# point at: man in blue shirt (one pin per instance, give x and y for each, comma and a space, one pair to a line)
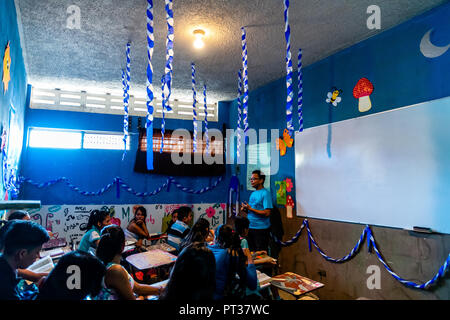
258, 211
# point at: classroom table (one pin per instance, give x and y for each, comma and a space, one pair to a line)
158, 260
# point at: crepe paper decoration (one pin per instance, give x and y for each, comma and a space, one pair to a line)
333, 96
289, 70
239, 103
4, 136
163, 120
362, 91
245, 83
126, 98
206, 120
289, 184
285, 142
6, 68
149, 122
300, 92
169, 54
194, 108
289, 206
281, 192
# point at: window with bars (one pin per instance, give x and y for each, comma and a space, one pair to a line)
163, 163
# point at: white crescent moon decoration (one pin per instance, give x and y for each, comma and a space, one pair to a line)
428, 49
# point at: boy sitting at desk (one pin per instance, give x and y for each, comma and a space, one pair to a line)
22, 243
178, 231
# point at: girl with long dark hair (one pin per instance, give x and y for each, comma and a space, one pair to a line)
193, 275
118, 283
235, 271
97, 220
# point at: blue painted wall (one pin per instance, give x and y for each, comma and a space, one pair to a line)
93, 169
12, 102
391, 60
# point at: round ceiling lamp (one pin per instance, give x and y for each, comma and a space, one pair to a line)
198, 42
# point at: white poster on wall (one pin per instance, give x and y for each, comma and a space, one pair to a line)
65, 221
258, 158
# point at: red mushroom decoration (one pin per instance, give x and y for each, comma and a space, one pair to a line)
289, 206
362, 91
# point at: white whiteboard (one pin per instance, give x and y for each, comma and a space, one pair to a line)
388, 169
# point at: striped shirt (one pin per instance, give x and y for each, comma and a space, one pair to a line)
176, 233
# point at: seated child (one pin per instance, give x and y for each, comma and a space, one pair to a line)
117, 283
180, 228
199, 233
22, 242
91, 271
137, 228
232, 273
22, 273
193, 276
97, 220
241, 224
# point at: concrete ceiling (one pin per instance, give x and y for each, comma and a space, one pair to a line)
91, 58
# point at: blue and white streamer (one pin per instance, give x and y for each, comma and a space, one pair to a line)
169, 54
289, 70
123, 185
245, 82
300, 91
367, 232
126, 98
163, 121
206, 120
239, 107
194, 108
149, 122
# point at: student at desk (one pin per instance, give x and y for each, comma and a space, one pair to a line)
233, 276
137, 228
97, 220
23, 273
199, 232
178, 231
22, 242
118, 283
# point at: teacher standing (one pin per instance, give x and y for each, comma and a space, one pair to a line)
258, 211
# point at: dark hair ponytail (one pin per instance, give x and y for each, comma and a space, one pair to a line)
111, 243
235, 285
96, 217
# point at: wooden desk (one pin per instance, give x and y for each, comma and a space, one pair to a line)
151, 259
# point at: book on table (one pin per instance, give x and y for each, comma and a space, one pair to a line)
294, 283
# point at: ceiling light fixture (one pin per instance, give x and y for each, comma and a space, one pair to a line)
199, 34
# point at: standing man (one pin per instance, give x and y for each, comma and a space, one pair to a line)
258, 211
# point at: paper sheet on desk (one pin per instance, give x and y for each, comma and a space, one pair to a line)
151, 259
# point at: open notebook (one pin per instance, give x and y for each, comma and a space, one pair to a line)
42, 265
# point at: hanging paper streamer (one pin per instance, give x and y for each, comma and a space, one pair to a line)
289, 70
206, 120
149, 123
300, 91
163, 122
245, 83
239, 102
169, 54
126, 98
194, 110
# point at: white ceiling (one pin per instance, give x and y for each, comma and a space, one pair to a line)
91, 58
